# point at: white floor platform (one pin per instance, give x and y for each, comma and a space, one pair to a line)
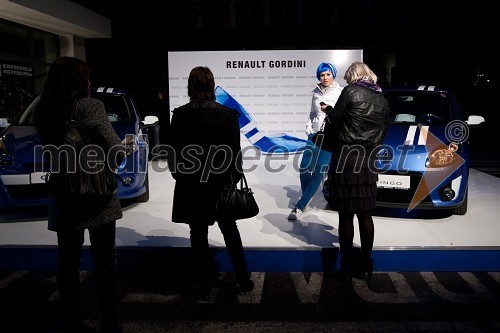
148, 225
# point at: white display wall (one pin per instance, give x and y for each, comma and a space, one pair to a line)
273, 86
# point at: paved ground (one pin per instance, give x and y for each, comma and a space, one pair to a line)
281, 302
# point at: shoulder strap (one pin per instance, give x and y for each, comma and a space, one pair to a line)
71, 133
72, 115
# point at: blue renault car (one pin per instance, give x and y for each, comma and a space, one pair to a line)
21, 182
424, 160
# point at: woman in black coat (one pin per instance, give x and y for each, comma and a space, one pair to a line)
66, 92
353, 130
205, 137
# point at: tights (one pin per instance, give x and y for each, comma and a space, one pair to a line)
203, 263
346, 236
102, 249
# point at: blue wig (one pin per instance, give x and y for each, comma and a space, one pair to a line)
326, 67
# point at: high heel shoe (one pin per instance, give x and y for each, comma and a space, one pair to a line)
343, 276
245, 286
368, 270
364, 270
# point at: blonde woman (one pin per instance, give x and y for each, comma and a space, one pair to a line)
354, 128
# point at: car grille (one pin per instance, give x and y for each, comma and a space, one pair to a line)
400, 196
33, 191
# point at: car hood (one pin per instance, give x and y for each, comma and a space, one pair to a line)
19, 142
408, 144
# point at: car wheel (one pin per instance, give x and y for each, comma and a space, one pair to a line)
145, 196
462, 209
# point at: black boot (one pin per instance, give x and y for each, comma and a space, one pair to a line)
343, 276
364, 269
368, 269
345, 272
110, 326
244, 285
109, 316
73, 322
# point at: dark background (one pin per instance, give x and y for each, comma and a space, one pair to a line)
432, 42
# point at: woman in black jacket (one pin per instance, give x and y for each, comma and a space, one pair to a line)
205, 137
354, 128
66, 91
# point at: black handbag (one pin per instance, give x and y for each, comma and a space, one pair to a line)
236, 203
75, 174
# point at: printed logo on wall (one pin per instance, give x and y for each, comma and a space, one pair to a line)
269, 144
272, 89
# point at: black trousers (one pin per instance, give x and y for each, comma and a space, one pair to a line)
202, 260
103, 252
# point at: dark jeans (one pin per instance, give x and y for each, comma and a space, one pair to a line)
103, 251
202, 260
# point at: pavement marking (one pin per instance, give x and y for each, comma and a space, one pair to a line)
345, 326
481, 295
11, 277
150, 298
495, 276
404, 293
308, 292
255, 296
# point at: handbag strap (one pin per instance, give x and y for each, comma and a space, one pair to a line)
72, 114
243, 180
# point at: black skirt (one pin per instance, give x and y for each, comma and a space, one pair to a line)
353, 183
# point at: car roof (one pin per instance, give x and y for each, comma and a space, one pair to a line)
109, 90
415, 88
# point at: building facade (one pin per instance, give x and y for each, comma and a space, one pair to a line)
32, 35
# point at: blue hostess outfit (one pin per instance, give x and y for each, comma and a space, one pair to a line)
313, 167
315, 160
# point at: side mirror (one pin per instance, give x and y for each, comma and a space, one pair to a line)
475, 120
149, 121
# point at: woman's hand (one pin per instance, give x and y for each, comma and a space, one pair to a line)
309, 129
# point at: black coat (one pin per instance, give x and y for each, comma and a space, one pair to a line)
360, 117
205, 138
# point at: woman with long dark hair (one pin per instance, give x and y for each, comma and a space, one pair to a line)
205, 136
66, 94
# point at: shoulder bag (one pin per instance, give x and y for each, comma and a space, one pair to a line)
236, 203
71, 178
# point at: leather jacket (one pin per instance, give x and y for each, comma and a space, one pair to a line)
360, 117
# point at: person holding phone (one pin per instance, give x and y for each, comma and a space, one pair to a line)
315, 160
354, 128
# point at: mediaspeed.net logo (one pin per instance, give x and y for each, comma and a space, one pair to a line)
443, 159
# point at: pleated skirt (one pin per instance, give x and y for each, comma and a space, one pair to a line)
353, 184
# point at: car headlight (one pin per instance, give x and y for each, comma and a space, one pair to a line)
442, 157
131, 143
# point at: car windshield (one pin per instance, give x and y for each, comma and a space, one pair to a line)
418, 107
116, 107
